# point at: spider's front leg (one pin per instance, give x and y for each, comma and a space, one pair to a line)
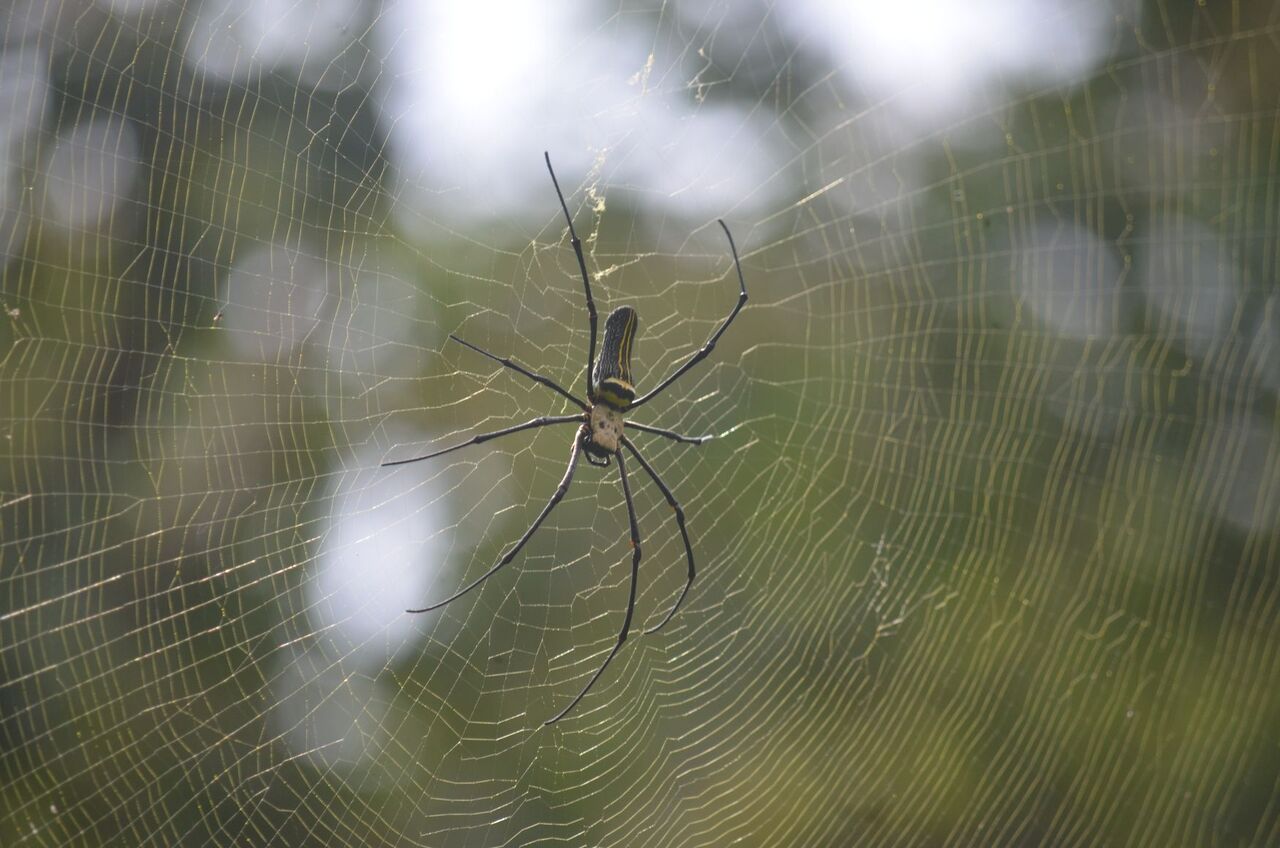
684, 531
631, 600
537, 522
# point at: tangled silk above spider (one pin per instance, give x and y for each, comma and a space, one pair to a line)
611, 397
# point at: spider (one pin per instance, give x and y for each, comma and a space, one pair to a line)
611, 395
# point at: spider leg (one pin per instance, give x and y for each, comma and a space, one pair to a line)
684, 533
519, 369
670, 434
484, 437
511, 554
586, 279
715, 337
631, 602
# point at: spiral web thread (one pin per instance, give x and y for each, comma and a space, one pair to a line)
987, 536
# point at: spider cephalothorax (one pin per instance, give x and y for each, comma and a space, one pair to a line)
611, 395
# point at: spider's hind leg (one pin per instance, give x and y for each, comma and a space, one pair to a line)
586, 278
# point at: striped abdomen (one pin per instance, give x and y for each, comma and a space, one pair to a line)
613, 367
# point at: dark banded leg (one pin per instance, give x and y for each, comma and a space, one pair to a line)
586, 279
670, 434
684, 533
511, 554
519, 369
631, 601
484, 437
706, 349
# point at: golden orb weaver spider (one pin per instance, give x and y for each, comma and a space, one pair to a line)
611, 395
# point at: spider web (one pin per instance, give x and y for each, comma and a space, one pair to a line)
987, 537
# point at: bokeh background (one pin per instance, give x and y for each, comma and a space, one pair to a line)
988, 537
